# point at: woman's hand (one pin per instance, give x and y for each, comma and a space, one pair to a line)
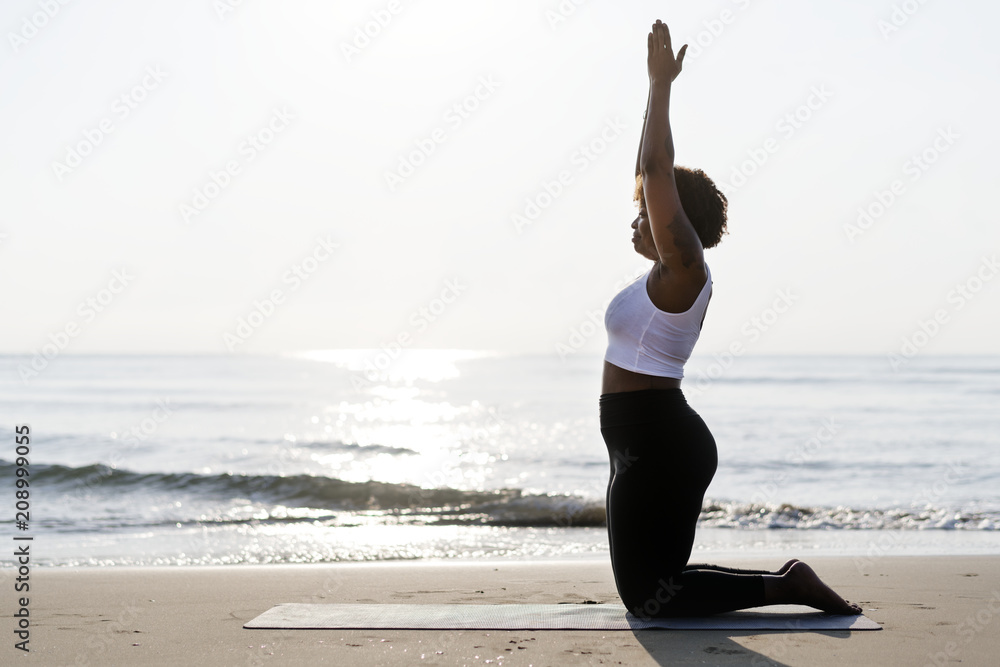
660, 60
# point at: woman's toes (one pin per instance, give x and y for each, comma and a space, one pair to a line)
810, 590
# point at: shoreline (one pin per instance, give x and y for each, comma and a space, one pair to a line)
7, 568
334, 546
930, 607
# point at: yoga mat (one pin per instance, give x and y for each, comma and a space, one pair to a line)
539, 617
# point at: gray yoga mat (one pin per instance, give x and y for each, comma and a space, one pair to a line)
539, 617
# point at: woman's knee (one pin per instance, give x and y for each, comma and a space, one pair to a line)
655, 598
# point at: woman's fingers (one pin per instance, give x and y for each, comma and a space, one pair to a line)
661, 35
658, 41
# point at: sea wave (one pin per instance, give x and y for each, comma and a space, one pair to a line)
278, 499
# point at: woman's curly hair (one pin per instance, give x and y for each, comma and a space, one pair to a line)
703, 202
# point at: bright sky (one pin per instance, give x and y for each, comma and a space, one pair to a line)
171, 169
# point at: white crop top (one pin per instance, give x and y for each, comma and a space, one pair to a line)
644, 339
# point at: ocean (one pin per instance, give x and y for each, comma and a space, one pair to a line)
362, 455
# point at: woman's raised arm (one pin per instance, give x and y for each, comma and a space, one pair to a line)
638, 155
677, 244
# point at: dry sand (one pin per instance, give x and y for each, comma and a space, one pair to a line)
934, 610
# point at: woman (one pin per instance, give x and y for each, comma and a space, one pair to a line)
662, 454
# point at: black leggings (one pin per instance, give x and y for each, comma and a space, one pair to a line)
662, 459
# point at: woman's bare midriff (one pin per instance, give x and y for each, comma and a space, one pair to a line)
616, 379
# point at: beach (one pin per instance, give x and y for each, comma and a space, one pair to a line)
174, 499
933, 610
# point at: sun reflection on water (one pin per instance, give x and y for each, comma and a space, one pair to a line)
396, 429
398, 365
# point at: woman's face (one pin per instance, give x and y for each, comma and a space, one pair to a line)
642, 239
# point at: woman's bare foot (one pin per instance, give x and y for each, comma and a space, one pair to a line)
801, 585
